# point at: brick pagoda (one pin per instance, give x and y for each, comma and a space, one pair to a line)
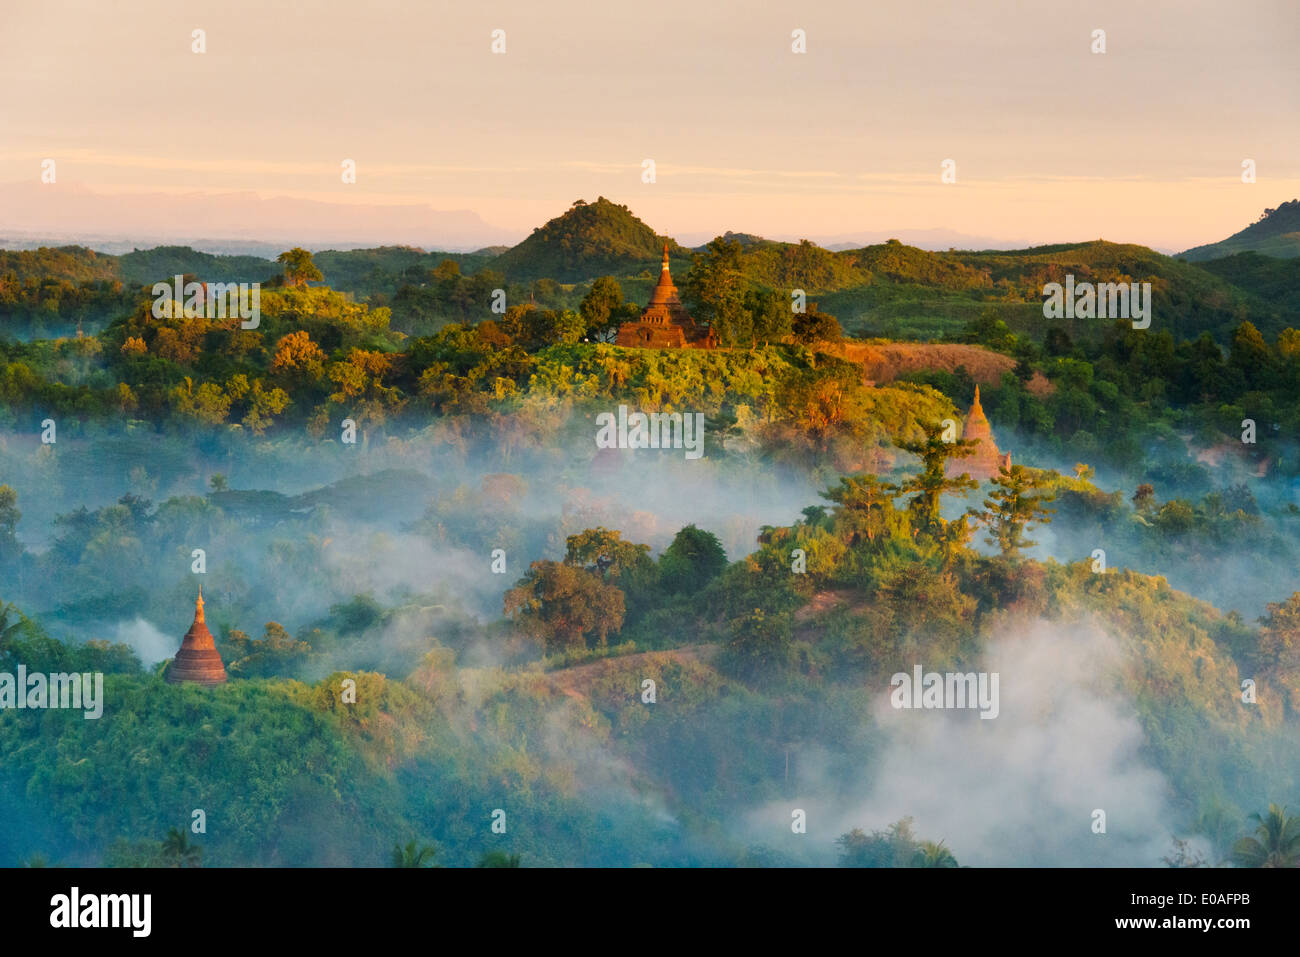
198, 661
665, 323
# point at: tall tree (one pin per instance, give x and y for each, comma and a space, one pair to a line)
602, 309
864, 502
770, 318
299, 267
1276, 842
694, 558
561, 606
929, 485
1012, 506
715, 290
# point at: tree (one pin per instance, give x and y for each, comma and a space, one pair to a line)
546, 327
296, 355
604, 552
12, 623
10, 547
896, 846
299, 267
1012, 507
1144, 499
276, 653
694, 559
715, 288
1251, 355
218, 482
414, 856
602, 309
932, 481
498, 859
864, 502
562, 606
770, 317
759, 644
930, 854
1276, 842
178, 851
813, 326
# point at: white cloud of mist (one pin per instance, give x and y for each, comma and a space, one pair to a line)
1018, 790
150, 644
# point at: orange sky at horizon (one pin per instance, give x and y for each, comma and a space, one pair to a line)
1052, 143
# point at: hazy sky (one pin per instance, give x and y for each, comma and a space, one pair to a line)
1051, 142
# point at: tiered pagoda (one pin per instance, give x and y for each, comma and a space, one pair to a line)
665, 323
198, 660
985, 461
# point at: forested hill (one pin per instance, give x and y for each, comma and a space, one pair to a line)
1275, 233
588, 240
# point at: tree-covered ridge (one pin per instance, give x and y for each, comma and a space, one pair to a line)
589, 240
887, 289
1276, 233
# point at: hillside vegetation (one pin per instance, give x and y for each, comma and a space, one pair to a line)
1276, 233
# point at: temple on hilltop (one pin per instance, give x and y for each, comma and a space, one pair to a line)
985, 461
665, 323
198, 660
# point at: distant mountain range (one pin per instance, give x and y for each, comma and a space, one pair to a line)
1275, 233
33, 211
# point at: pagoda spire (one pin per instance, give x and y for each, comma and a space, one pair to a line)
198, 660
975, 406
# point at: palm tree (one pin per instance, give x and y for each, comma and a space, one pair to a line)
930, 854
11, 620
177, 851
412, 856
1277, 843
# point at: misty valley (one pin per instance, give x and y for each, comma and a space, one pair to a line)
645, 568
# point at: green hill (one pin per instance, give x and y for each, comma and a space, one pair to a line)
62, 263
147, 266
385, 269
914, 293
1274, 281
589, 240
1275, 233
